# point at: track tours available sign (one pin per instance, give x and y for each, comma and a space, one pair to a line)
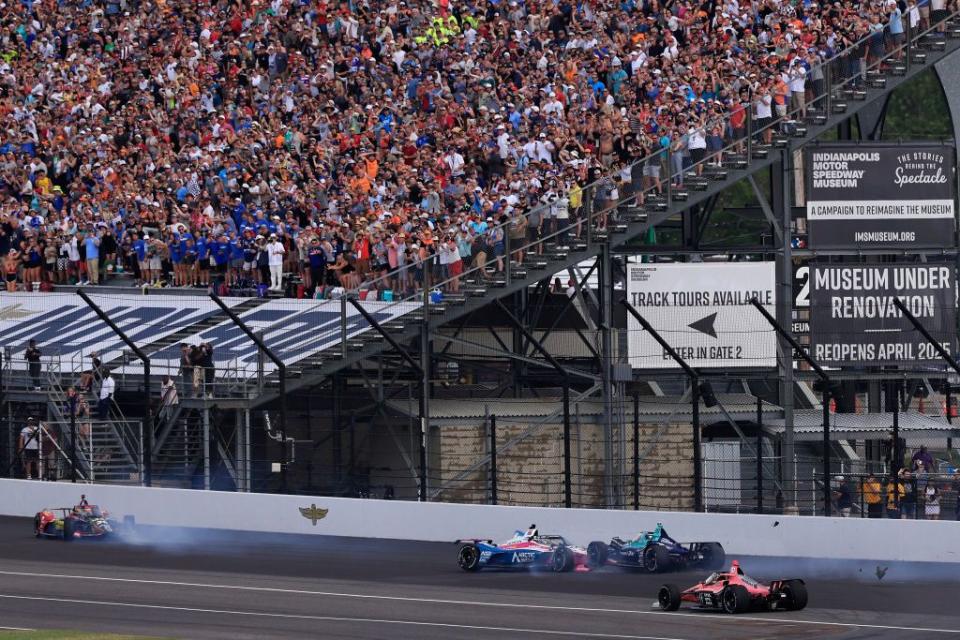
854, 321
880, 196
703, 311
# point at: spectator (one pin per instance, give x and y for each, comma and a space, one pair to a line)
32, 354
922, 461
895, 495
932, 503
842, 497
209, 368
872, 492
207, 128
186, 366
11, 269
169, 399
956, 495
908, 505
29, 447
93, 374
107, 388
275, 252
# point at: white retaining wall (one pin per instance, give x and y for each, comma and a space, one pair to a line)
777, 536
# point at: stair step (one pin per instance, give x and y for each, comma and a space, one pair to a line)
557, 256
497, 281
536, 264
679, 195
918, 57
519, 274
761, 151
838, 106
736, 161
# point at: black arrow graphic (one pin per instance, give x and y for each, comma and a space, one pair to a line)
705, 325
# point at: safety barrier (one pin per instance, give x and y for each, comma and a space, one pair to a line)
757, 535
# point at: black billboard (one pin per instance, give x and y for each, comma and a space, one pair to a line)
880, 196
854, 321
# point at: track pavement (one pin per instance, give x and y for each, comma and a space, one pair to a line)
208, 584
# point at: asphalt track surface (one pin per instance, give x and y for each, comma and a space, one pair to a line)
210, 584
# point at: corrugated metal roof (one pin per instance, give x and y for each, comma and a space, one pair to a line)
808, 425
737, 405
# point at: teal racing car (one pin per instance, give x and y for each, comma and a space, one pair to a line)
655, 551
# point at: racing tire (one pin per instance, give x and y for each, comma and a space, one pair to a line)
795, 595
656, 559
735, 599
69, 528
669, 597
714, 557
562, 560
36, 527
468, 558
597, 554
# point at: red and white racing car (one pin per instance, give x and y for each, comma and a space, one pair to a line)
734, 591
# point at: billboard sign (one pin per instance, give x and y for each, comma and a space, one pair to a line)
854, 321
703, 311
880, 196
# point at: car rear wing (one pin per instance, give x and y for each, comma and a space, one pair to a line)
473, 540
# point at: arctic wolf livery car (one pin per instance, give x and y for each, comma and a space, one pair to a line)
83, 520
734, 592
656, 551
525, 550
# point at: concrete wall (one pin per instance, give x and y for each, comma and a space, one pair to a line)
776, 536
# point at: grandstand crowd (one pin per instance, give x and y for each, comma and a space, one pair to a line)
190, 143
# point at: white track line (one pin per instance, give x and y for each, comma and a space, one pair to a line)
294, 616
15, 629
504, 605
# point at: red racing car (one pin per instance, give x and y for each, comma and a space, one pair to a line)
734, 591
83, 520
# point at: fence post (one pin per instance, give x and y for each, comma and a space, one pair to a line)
826, 451
73, 439
860, 480
636, 450
493, 459
759, 455
567, 480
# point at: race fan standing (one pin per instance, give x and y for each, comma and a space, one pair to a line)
151, 137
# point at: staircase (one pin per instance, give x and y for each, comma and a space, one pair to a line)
108, 451
628, 220
178, 450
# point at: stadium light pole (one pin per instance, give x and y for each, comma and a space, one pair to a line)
825, 399
695, 402
148, 415
281, 371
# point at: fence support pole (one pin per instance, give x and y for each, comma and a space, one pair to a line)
147, 438
73, 439
424, 400
827, 495
759, 455
567, 475
636, 450
493, 459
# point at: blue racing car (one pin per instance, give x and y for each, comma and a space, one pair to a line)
525, 550
656, 551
